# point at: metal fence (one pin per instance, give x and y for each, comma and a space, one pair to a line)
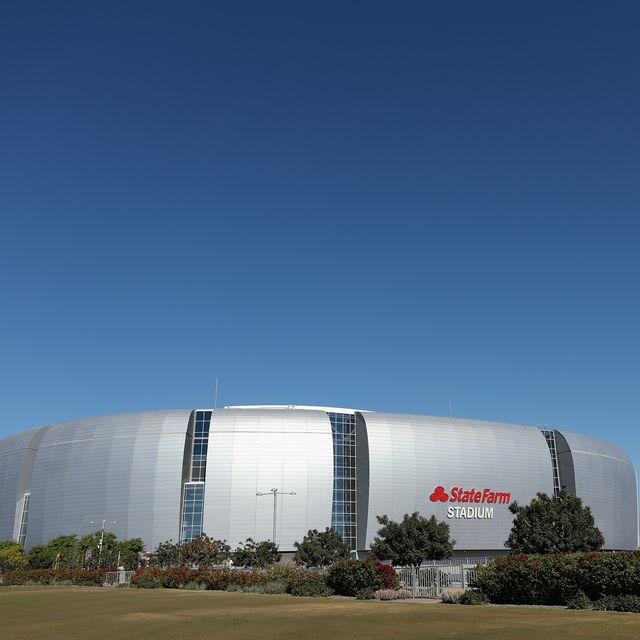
116, 578
429, 580
466, 560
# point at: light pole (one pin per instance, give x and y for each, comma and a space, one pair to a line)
275, 493
102, 537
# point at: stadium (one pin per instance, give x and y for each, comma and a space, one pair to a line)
274, 472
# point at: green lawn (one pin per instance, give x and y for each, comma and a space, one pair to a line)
86, 613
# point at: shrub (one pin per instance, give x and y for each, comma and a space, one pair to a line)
451, 595
364, 594
389, 575
281, 572
555, 579
215, 580
272, 580
392, 594
146, 579
348, 577
274, 587
310, 588
628, 603
79, 577
194, 585
275, 579
580, 601
472, 597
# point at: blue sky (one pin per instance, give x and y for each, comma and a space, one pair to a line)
380, 205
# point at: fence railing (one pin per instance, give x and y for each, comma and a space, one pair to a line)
115, 578
429, 580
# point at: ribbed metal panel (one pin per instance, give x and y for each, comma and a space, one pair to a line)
129, 467
410, 455
125, 467
254, 451
605, 479
13, 452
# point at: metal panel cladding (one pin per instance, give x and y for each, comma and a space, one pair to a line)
253, 451
124, 467
605, 479
14, 450
409, 456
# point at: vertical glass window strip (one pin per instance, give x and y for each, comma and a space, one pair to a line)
192, 511
24, 519
343, 512
193, 496
550, 437
200, 446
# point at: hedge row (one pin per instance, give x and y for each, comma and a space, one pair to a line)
345, 577
79, 577
221, 579
557, 579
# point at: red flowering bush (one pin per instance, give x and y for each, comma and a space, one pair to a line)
350, 577
80, 577
389, 575
221, 579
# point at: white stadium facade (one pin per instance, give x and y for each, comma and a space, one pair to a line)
162, 475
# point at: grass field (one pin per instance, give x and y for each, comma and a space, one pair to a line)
53, 613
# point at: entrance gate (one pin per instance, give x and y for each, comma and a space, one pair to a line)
429, 581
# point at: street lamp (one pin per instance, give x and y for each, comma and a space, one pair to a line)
275, 493
102, 537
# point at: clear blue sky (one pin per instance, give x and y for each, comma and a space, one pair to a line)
380, 205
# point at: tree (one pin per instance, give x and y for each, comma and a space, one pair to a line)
94, 556
320, 548
412, 540
558, 524
11, 556
256, 554
129, 551
65, 551
167, 554
205, 551
39, 557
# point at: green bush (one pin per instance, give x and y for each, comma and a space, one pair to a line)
274, 587
364, 594
463, 596
194, 585
580, 601
556, 579
310, 587
472, 597
281, 572
348, 577
628, 603
146, 579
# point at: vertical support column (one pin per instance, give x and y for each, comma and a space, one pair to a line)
362, 481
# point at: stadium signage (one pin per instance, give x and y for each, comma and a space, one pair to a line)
462, 495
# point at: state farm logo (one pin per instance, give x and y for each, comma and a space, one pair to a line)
439, 495
460, 494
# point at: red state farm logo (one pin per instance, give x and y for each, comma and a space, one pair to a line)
439, 495
460, 494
